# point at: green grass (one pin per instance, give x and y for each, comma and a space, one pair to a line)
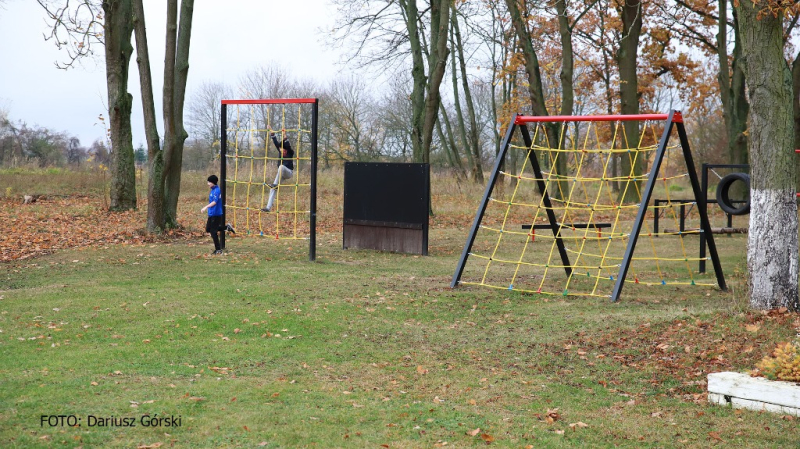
360, 349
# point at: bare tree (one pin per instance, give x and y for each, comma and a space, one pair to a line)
379, 28
354, 121
203, 110
470, 143
76, 28
165, 165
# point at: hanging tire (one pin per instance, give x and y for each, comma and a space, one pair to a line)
723, 194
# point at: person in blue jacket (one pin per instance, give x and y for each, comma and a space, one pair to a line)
215, 216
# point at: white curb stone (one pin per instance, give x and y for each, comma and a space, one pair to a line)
754, 393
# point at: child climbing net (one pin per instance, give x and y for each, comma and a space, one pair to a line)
584, 184
269, 165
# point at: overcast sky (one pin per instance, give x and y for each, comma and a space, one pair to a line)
228, 38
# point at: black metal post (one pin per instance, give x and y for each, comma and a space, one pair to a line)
312, 216
656, 213
551, 216
426, 224
704, 193
646, 195
705, 225
223, 167
682, 226
484, 202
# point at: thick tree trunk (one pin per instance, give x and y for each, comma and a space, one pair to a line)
772, 240
174, 152
118, 28
155, 157
627, 56
796, 112
567, 59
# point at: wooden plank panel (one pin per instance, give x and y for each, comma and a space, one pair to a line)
400, 240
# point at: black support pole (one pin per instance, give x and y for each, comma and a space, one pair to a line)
646, 195
484, 202
700, 197
551, 216
312, 243
223, 166
704, 193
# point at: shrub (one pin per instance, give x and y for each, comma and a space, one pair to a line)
784, 364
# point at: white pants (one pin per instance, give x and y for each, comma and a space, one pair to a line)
284, 174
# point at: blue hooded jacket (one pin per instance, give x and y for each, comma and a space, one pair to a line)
214, 195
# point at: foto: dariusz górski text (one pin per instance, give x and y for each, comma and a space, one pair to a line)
154, 420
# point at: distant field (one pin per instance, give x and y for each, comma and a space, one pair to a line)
261, 348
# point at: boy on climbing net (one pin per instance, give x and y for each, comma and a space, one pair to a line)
285, 168
214, 208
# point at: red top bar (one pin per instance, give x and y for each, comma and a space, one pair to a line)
272, 101
677, 118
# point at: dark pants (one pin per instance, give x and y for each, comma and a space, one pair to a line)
213, 226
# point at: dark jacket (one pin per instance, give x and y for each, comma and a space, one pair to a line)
287, 154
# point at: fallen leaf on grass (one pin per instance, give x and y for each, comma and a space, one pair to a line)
150, 446
475, 432
552, 416
197, 398
715, 435
487, 438
578, 424
422, 370
752, 327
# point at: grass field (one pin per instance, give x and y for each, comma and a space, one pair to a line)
261, 348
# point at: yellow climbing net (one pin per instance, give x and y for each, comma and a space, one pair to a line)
252, 165
594, 177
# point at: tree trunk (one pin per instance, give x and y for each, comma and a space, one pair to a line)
772, 240
567, 59
155, 157
536, 92
462, 129
735, 107
449, 144
418, 75
473, 145
118, 28
796, 112
437, 62
627, 55
177, 133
